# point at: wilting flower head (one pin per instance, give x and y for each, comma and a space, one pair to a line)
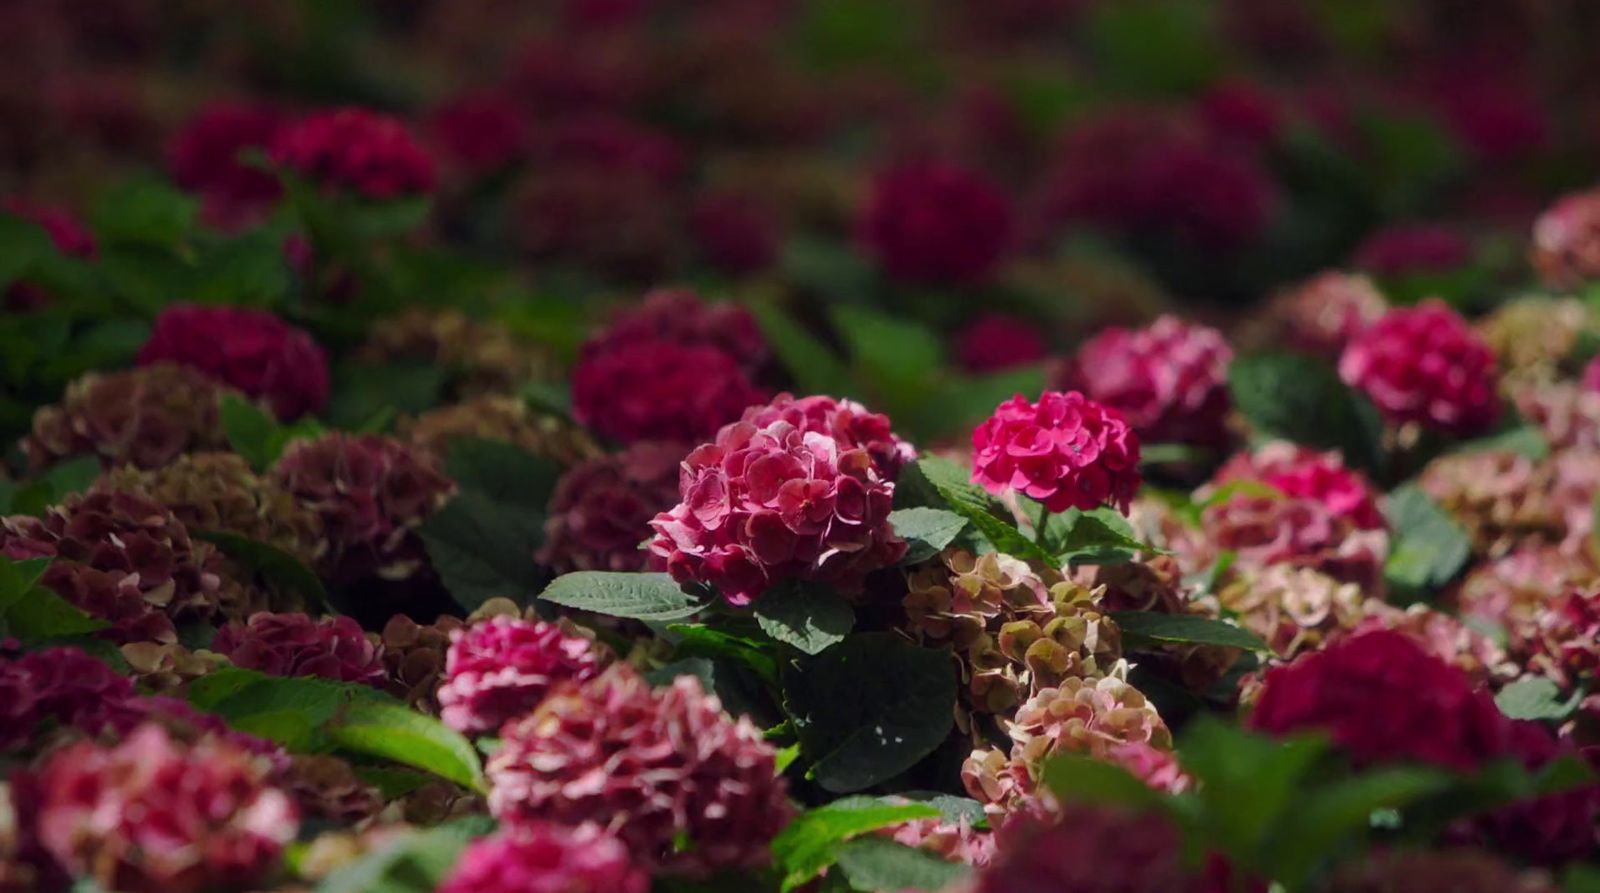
504, 419
1458, 870
775, 501
327, 787
735, 234
660, 390
936, 223
503, 667
204, 157
415, 656
1091, 850
689, 790
123, 559
850, 424
151, 815
681, 317
1384, 699
1317, 316
601, 509
357, 149
1500, 497
1410, 249
1065, 451
1169, 380
251, 350
371, 493
1566, 241
478, 358
1424, 364
547, 858
144, 417
1302, 473
1292, 608
996, 341
297, 645
480, 133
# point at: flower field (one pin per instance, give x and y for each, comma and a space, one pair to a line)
754, 446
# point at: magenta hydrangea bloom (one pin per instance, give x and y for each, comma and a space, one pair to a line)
298, 645
357, 149
1303, 473
680, 316
995, 342
935, 222
205, 158
151, 815
1424, 364
251, 350
601, 508
849, 423
501, 668
769, 502
1410, 249
687, 789
545, 858
661, 390
1091, 850
1066, 451
480, 133
1169, 380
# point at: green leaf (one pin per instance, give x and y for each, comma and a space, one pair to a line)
143, 212
1300, 398
809, 616
701, 668
1246, 781
1101, 536
415, 863
1074, 778
502, 472
638, 596
249, 269
926, 531
405, 736
362, 389
23, 243
952, 483
483, 549
55, 485
814, 367
281, 571
877, 863
293, 711
953, 810
809, 844
870, 708
1524, 440
694, 640
18, 577
1581, 879
250, 431
41, 615
895, 353
1150, 626
1325, 816
1536, 698
1428, 548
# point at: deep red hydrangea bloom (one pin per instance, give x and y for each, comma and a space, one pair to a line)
151, 815
689, 790
849, 423
1549, 830
502, 668
371, 492
601, 508
1304, 473
356, 149
660, 390
545, 858
63, 684
1169, 380
769, 502
680, 316
1408, 249
204, 157
937, 223
1566, 241
1384, 699
19, 710
1242, 113
480, 133
251, 350
1092, 850
995, 342
297, 645
1065, 451
734, 233
1424, 364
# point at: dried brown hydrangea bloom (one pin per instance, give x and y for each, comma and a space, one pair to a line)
219, 491
479, 357
1499, 497
1157, 585
1292, 609
145, 417
500, 418
414, 655
1014, 628
1566, 412
1317, 316
1534, 338
327, 787
167, 668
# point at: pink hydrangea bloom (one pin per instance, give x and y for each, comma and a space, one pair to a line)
769, 502
1566, 241
1322, 314
660, 390
1264, 530
687, 789
1169, 380
1066, 451
503, 667
544, 858
297, 645
204, 157
995, 342
936, 222
1304, 473
849, 423
680, 316
356, 149
151, 815
1424, 364
251, 350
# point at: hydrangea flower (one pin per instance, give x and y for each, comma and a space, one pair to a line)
1301, 473
500, 418
1169, 380
145, 417
1318, 316
936, 222
680, 316
250, 350
735, 234
1092, 850
544, 858
995, 342
1065, 451
1423, 364
601, 509
850, 424
661, 390
1412, 249
204, 157
503, 667
1566, 241
480, 133
298, 645
370, 154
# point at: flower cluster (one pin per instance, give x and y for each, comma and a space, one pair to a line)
144, 417
547, 859
1169, 379
601, 509
1065, 451
661, 390
204, 157
679, 316
1537, 338
936, 222
1318, 316
767, 503
480, 133
500, 418
851, 425
995, 342
503, 667
1424, 365
372, 155
687, 789
1265, 529
1301, 473
1502, 499
60, 683
1566, 241
297, 645
250, 350
477, 358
